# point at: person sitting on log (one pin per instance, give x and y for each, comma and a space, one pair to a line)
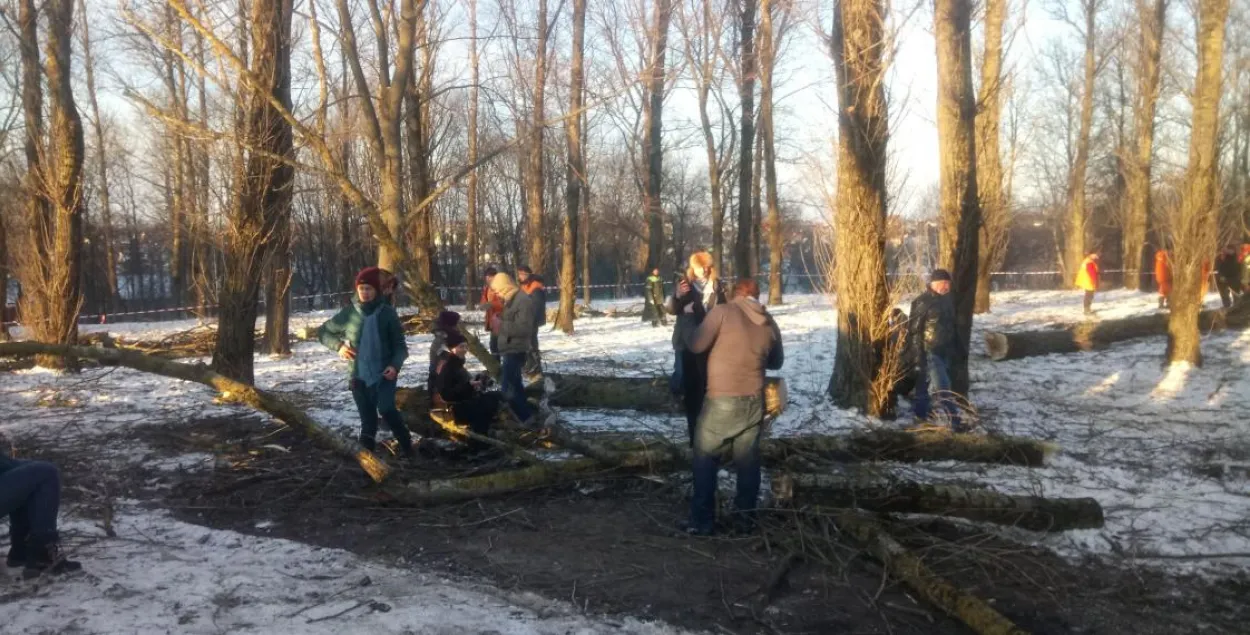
697, 293
30, 496
931, 338
1087, 280
516, 334
469, 403
740, 340
1163, 276
369, 336
445, 324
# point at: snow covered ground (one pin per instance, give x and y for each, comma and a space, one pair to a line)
1165, 450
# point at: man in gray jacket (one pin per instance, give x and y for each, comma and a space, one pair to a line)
741, 340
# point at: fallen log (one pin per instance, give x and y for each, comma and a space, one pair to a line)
909, 446
1088, 336
1027, 512
912, 571
230, 390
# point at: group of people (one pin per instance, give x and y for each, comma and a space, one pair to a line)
1232, 275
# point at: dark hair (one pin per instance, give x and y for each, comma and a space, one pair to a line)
525, 269
490, 271
747, 287
939, 275
453, 340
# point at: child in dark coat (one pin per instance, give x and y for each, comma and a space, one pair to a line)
469, 403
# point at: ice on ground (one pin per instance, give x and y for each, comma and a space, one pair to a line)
164, 576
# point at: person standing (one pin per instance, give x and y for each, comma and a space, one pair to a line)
30, 496
1087, 280
653, 300
1163, 276
533, 286
369, 336
932, 343
493, 306
1228, 275
741, 340
515, 332
696, 294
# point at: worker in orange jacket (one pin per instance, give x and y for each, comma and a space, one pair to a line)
1087, 280
1163, 276
493, 305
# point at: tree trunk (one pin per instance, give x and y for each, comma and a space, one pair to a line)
585, 239
908, 497
705, 62
263, 195
746, 93
36, 208
960, 208
534, 183
416, 120
1076, 225
653, 146
1088, 336
4, 274
1136, 199
995, 208
773, 224
1194, 231
575, 174
106, 212
471, 280
864, 371
278, 287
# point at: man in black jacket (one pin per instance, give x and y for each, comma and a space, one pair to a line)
1228, 275
932, 345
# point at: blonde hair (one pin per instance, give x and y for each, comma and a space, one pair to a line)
503, 286
704, 260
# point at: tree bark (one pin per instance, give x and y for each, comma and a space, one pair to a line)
746, 95
231, 390
908, 497
263, 195
471, 230
36, 208
416, 120
1089, 336
995, 208
1194, 233
772, 226
1137, 175
653, 145
704, 61
535, 186
960, 207
574, 175
278, 286
1076, 223
106, 211
864, 371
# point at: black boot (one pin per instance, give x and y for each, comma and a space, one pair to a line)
17, 555
369, 444
48, 559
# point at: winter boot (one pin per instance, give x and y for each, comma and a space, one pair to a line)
369, 444
17, 555
48, 559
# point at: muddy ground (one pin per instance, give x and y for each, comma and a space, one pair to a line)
608, 545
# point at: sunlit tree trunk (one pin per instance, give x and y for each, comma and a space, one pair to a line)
471, 230
575, 173
995, 211
1194, 232
1076, 223
776, 247
106, 211
534, 184
746, 94
653, 146
1136, 200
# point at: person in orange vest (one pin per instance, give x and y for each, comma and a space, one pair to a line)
494, 308
1087, 280
1163, 276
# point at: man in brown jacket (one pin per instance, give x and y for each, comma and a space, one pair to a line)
741, 340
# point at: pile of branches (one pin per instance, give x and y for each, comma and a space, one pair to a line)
801, 469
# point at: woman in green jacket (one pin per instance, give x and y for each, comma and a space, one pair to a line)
369, 336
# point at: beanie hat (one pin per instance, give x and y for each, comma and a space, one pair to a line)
490, 271
371, 276
447, 320
939, 275
453, 340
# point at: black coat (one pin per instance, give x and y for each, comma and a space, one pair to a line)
453, 383
1227, 269
700, 303
931, 327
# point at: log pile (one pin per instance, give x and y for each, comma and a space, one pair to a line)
1093, 335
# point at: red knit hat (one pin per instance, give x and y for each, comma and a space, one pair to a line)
371, 276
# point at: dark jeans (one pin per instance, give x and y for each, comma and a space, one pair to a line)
479, 413
30, 495
694, 387
1089, 301
513, 387
675, 380
493, 345
934, 378
728, 425
372, 401
533, 359
1228, 292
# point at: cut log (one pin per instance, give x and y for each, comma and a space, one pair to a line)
912, 571
229, 389
1088, 336
909, 446
1027, 512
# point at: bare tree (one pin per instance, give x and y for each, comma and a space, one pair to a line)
106, 212
263, 194
995, 207
1136, 213
960, 208
861, 375
1194, 231
417, 120
471, 228
575, 172
746, 93
768, 53
534, 184
1077, 223
653, 146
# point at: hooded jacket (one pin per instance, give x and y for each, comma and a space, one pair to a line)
931, 327
741, 340
347, 326
538, 291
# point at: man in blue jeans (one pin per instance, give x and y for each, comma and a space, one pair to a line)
516, 338
30, 496
931, 340
741, 341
